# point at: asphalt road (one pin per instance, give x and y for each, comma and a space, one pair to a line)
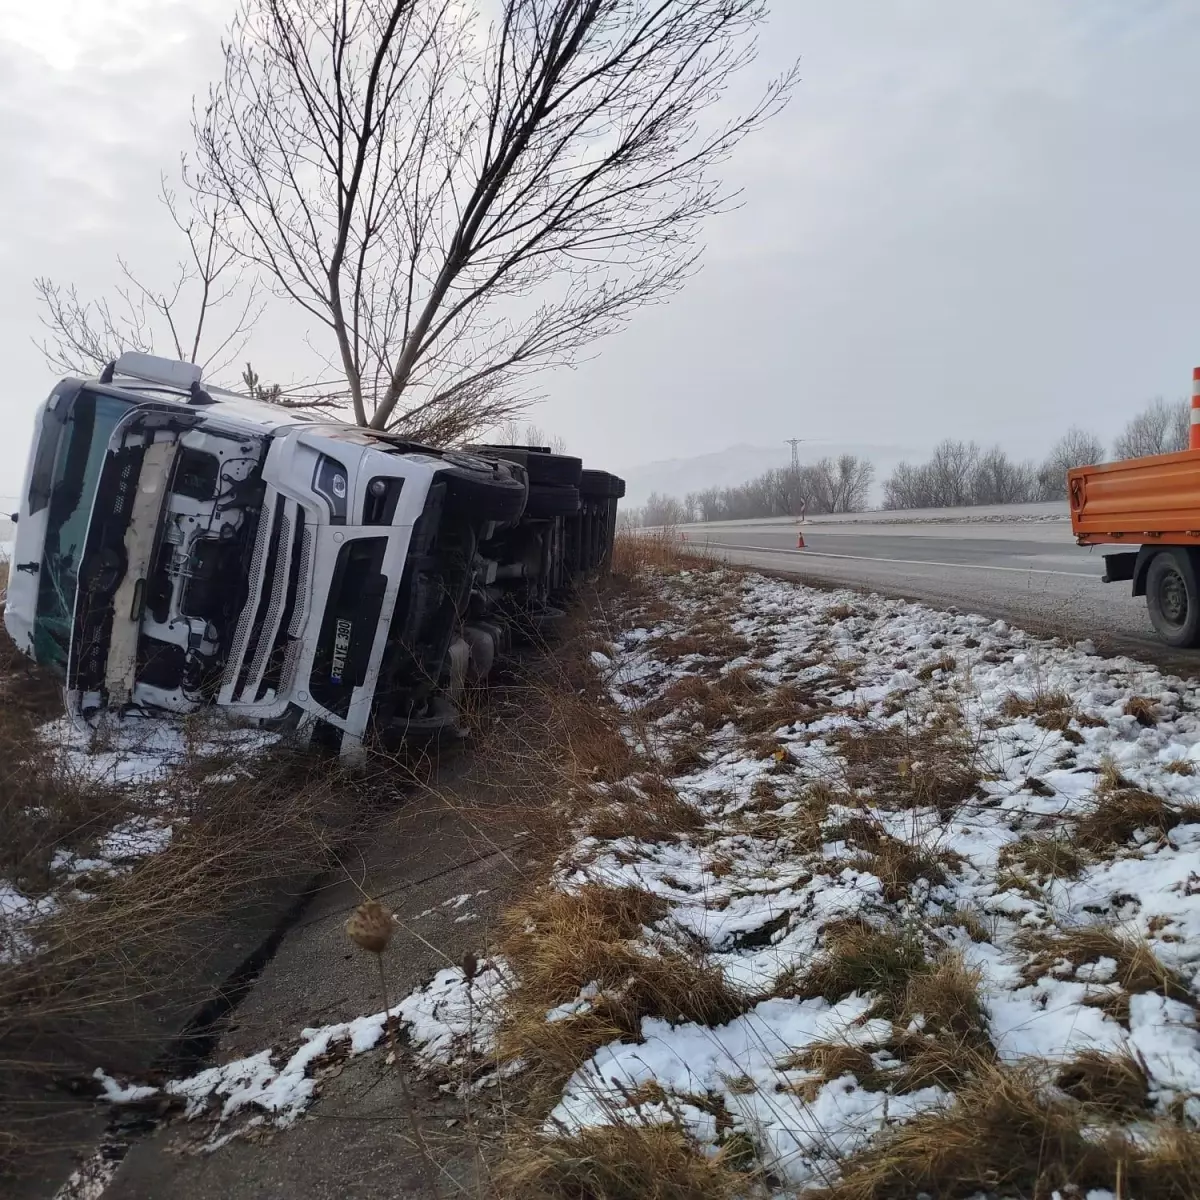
1027, 571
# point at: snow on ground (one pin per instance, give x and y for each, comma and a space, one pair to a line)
1040, 724
136, 755
441, 1019
822, 736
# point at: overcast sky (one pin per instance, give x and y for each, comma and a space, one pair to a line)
977, 218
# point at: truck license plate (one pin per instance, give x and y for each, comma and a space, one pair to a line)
341, 648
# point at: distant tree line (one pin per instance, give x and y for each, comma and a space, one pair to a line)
957, 474
830, 485
961, 473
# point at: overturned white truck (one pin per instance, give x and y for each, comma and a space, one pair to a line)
179, 546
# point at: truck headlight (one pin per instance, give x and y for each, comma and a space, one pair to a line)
332, 483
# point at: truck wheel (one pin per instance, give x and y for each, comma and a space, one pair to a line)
1173, 597
545, 502
543, 467
601, 483
499, 496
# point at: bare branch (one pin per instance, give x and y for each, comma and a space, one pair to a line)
462, 206
178, 319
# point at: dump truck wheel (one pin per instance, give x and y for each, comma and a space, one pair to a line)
1173, 597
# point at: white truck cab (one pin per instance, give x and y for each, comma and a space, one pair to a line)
180, 545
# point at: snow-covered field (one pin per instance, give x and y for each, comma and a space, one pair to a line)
923, 847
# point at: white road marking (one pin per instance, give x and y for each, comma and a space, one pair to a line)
904, 562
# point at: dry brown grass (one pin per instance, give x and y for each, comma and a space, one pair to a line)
635, 554
1138, 968
557, 942
1045, 855
1004, 1135
928, 763
1041, 703
1115, 1083
950, 1046
859, 958
1143, 710
100, 972
655, 812
1119, 811
617, 1162
1050, 709
946, 663
898, 864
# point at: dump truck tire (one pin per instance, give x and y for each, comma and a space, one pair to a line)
1173, 596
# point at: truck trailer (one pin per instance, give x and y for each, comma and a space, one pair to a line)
180, 546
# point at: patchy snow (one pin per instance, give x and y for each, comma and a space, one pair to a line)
831, 730
449, 1022
1040, 725
134, 756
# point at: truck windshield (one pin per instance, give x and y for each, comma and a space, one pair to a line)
77, 465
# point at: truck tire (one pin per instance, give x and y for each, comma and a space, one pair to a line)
1173, 596
601, 483
543, 467
498, 496
545, 502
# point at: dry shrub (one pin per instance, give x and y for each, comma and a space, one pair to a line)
1138, 968
654, 812
947, 663
898, 864
929, 764
1118, 812
1180, 766
1116, 1083
635, 554
1143, 710
558, 942
858, 958
1048, 855
617, 1162
1004, 1134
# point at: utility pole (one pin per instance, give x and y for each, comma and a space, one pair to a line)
795, 445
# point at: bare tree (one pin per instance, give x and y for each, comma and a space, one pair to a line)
204, 315
459, 207
513, 433
1159, 428
843, 485
663, 511
996, 479
1076, 448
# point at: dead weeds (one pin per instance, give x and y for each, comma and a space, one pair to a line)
623, 1161
1004, 1134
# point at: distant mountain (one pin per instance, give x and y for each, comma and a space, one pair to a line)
739, 464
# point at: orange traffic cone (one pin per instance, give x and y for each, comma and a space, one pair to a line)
799, 540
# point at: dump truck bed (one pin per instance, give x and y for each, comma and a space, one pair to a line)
1137, 501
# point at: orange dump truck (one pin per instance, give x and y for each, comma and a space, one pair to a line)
1151, 505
